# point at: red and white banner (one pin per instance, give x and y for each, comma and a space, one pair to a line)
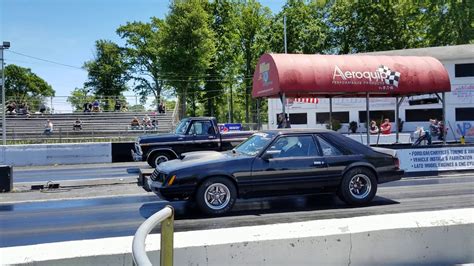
306, 100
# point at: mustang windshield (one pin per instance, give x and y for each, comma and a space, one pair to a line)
181, 129
254, 144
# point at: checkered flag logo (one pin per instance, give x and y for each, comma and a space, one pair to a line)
392, 77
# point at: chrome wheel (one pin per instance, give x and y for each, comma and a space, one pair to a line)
160, 158
360, 186
217, 196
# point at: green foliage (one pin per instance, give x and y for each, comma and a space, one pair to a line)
205, 52
137, 108
365, 26
225, 63
80, 96
187, 49
306, 31
107, 73
253, 27
450, 22
336, 125
24, 86
143, 54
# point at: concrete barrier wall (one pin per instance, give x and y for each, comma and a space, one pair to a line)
439, 237
50, 154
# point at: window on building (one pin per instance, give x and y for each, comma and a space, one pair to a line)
464, 114
423, 115
464, 70
299, 119
323, 117
377, 115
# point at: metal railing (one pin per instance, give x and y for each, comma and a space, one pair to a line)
166, 218
175, 116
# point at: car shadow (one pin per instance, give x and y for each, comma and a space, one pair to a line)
261, 206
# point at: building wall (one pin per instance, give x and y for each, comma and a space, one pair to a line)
461, 96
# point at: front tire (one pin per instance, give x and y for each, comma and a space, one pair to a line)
358, 186
157, 158
216, 196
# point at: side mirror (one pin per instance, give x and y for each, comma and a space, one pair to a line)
270, 154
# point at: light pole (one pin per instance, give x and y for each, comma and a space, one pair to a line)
4, 46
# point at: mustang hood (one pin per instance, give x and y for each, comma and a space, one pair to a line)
191, 159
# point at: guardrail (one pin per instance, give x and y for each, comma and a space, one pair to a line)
166, 218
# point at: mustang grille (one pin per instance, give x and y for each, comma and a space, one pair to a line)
157, 176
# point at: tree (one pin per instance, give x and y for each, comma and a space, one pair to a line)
306, 30
107, 73
363, 26
188, 48
254, 25
80, 96
224, 66
24, 86
143, 42
450, 22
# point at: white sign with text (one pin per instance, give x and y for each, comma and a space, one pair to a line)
437, 159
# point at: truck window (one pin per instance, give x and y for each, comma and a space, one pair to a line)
201, 128
183, 125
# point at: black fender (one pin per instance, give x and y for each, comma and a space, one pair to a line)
219, 173
361, 164
161, 149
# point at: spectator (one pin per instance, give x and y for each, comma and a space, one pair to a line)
42, 108
386, 127
77, 124
421, 134
11, 108
161, 108
118, 106
48, 127
434, 129
86, 107
441, 130
96, 106
283, 121
373, 129
154, 123
135, 124
147, 122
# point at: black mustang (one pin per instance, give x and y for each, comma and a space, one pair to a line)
277, 163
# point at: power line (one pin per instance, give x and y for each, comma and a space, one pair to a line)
197, 77
45, 60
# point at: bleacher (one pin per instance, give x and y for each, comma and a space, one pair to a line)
94, 125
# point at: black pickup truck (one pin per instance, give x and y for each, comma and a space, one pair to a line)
192, 134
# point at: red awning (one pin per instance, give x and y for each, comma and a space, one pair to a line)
301, 75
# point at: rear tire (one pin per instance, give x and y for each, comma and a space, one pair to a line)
216, 196
157, 158
358, 186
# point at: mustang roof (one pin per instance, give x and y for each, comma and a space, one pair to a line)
302, 75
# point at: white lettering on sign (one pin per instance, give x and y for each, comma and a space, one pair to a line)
436, 159
375, 75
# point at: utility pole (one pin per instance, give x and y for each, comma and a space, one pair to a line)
4, 46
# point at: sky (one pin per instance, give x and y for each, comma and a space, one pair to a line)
64, 31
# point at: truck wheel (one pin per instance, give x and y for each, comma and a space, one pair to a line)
157, 158
216, 196
358, 186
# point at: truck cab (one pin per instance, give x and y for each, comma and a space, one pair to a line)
191, 134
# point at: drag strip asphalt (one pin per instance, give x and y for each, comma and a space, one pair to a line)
29, 223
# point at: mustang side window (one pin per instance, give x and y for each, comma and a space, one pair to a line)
327, 148
294, 146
